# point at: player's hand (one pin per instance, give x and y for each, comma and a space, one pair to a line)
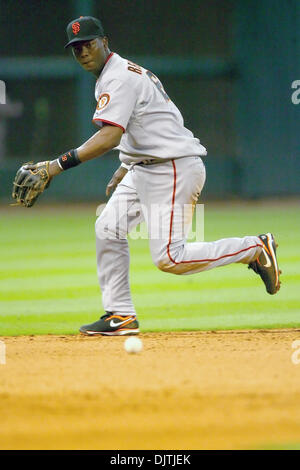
30, 181
116, 178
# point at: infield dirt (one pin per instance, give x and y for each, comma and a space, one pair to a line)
189, 390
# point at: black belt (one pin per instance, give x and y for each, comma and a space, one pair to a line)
153, 161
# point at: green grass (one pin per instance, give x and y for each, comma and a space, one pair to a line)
49, 282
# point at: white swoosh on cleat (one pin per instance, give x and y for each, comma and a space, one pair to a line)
113, 324
268, 262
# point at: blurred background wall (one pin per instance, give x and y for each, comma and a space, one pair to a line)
230, 66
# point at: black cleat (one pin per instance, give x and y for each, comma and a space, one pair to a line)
112, 325
266, 264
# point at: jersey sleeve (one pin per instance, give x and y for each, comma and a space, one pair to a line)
115, 105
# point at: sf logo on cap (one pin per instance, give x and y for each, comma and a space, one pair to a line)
76, 27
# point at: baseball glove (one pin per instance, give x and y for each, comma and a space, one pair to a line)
30, 181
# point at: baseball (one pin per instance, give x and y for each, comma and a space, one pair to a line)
133, 345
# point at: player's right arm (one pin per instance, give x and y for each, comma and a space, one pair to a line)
100, 143
32, 179
113, 112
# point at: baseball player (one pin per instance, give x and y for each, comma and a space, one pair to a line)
161, 173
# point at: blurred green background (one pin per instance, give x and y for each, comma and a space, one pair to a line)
229, 67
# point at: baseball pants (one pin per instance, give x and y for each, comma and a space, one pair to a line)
164, 196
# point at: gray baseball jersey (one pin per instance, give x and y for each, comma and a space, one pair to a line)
134, 99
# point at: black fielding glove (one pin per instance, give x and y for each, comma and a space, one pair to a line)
30, 181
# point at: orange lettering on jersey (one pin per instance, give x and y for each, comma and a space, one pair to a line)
103, 101
64, 158
134, 67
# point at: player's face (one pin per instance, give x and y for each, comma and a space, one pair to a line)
91, 55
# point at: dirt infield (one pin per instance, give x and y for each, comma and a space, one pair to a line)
191, 390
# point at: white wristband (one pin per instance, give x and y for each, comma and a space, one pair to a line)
58, 162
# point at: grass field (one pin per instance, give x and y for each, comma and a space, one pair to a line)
49, 283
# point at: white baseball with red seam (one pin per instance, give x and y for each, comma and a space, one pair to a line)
133, 345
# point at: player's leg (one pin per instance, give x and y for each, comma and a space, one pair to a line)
172, 186
121, 214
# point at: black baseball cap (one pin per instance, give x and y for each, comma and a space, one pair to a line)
84, 28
